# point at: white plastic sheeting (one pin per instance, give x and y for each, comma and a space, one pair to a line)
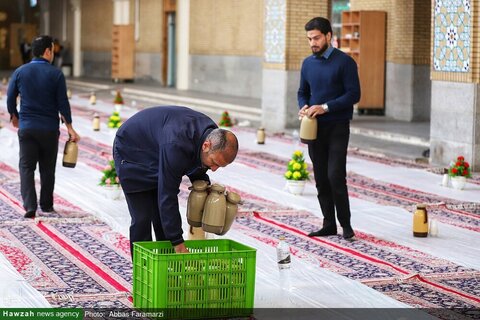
311, 286
15, 291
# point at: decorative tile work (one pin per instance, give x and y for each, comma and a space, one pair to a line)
452, 35
275, 30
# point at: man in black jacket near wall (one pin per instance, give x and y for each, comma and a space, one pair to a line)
153, 150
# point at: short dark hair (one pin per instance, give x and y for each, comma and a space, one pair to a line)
224, 141
40, 44
318, 23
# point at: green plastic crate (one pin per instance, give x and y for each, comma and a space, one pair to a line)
217, 278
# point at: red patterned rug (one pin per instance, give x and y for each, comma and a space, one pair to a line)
450, 211
70, 257
413, 277
410, 276
461, 214
66, 250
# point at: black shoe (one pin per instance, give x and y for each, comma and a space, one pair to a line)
323, 232
348, 233
29, 214
49, 210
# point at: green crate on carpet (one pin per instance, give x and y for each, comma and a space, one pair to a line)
216, 279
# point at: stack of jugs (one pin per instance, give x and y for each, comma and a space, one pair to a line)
215, 209
196, 203
214, 212
233, 199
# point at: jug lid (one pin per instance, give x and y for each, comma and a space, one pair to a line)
308, 118
233, 197
421, 206
218, 187
199, 185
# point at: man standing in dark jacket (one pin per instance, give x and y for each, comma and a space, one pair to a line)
153, 150
43, 95
329, 87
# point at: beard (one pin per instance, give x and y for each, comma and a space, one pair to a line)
320, 51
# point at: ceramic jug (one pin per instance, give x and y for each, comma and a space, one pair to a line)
215, 209
70, 154
233, 199
420, 221
261, 136
196, 202
196, 233
308, 129
93, 98
96, 122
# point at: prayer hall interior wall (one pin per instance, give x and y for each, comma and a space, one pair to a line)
148, 48
97, 22
455, 77
226, 47
408, 86
286, 46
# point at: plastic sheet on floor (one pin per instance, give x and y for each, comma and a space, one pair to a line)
15, 291
309, 285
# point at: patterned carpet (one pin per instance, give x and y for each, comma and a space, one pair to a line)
69, 256
461, 214
410, 276
75, 260
372, 157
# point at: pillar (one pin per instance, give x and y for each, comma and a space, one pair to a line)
455, 118
285, 48
45, 13
121, 12
77, 37
183, 40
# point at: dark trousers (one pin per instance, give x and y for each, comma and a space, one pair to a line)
143, 207
329, 157
37, 146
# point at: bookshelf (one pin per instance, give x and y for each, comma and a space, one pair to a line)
123, 52
363, 38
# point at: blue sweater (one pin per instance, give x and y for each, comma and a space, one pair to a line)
154, 149
43, 94
331, 79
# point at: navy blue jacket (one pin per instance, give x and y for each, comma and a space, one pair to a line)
154, 149
43, 94
330, 79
